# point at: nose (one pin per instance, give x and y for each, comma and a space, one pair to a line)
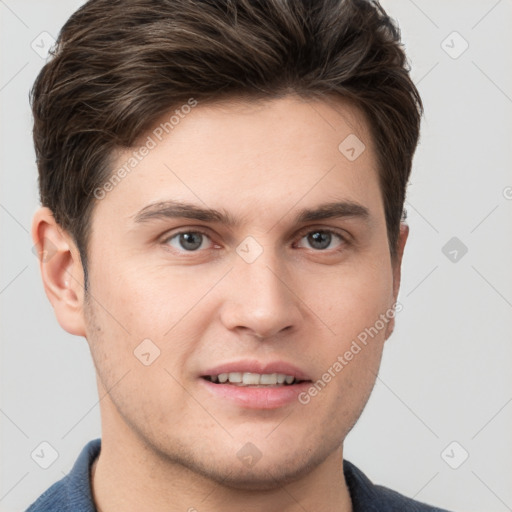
261, 299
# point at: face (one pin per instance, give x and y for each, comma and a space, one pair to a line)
244, 246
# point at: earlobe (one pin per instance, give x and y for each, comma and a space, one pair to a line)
61, 271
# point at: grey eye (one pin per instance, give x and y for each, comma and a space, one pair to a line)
188, 240
320, 240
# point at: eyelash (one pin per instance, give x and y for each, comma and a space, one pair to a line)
344, 240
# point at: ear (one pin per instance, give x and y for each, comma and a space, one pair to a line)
61, 271
397, 272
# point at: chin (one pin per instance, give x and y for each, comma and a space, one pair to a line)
252, 480
263, 476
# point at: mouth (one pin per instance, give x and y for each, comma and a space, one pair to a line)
253, 384
250, 379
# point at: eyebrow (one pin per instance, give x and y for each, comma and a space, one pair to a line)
176, 209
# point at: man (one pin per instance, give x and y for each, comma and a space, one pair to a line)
222, 186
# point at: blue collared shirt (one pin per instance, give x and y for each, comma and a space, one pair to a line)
73, 493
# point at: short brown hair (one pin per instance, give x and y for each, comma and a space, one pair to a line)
120, 64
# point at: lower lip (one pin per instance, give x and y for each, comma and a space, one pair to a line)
257, 397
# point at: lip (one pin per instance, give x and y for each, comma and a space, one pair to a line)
256, 397
257, 367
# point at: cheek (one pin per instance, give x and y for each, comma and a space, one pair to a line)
139, 371
350, 300
355, 304
146, 314
146, 298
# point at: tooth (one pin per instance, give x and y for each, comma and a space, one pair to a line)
268, 378
235, 377
251, 378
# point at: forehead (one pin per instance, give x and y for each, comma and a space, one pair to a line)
249, 156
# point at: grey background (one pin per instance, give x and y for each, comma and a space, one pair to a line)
446, 372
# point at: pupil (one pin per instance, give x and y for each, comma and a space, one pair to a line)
319, 239
190, 241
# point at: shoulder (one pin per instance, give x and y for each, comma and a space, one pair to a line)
369, 497
73, 492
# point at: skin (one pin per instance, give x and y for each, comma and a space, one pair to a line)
167, 444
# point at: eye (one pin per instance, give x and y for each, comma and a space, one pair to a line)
322, 239
188, 241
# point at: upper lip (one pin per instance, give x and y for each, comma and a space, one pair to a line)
252, 366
